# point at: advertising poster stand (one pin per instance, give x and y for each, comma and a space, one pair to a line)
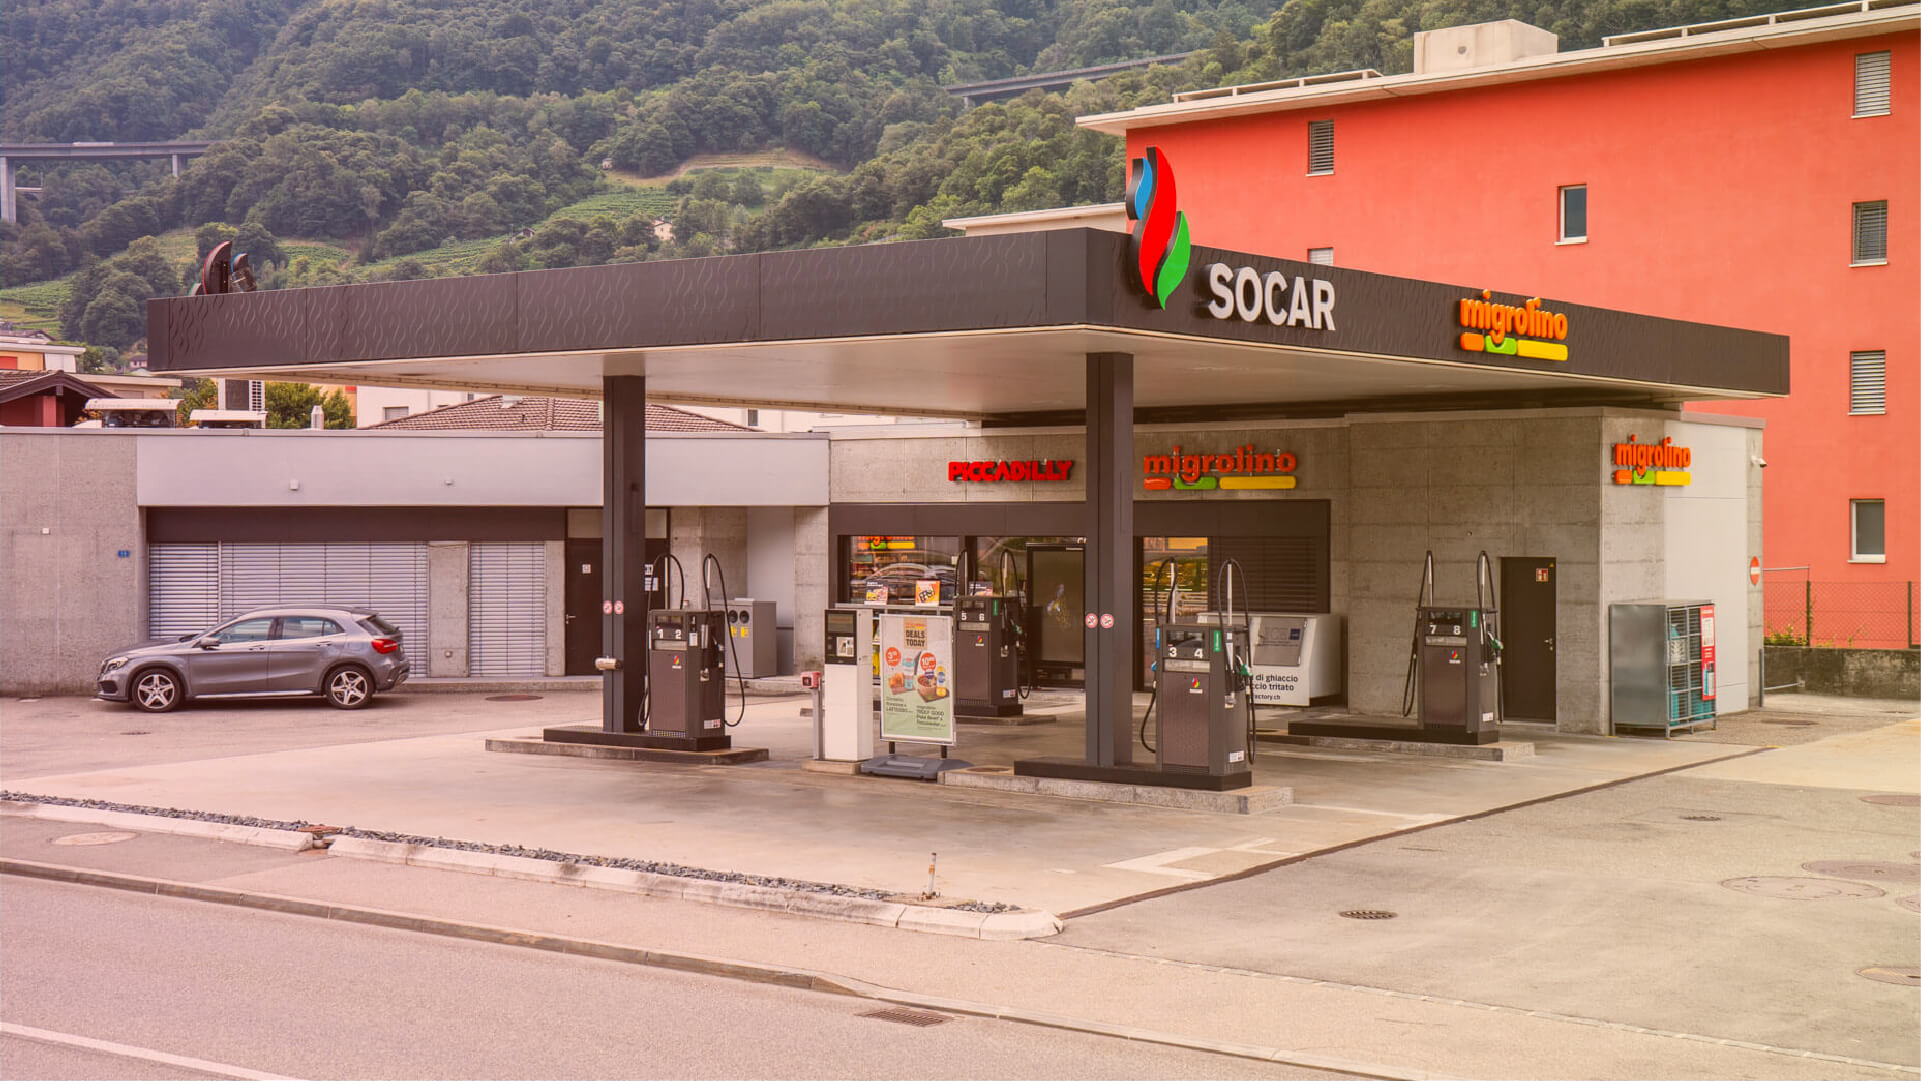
916, 693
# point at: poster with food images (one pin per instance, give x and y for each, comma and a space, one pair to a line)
916, 681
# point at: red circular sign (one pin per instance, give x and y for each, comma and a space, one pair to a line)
1107, 621
893, 655
1754, 571
927, 661
1091, 620
620, 608
607, 608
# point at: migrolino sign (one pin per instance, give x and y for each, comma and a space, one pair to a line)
1245, 469
1662, 463
998, 472
1523, 330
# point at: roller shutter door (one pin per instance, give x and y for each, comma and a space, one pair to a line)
194, 586
507, 609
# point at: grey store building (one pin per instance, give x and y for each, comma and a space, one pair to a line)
1399, 436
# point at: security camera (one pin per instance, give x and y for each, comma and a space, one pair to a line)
1759, 461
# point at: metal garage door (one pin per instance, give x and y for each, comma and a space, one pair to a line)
507, 609
191, 587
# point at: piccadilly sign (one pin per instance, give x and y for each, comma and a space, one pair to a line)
1662, 463
999, 472
1246, 469
1514, 330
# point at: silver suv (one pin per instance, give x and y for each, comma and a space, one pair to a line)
342, 654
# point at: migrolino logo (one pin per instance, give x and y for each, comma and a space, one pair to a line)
1160, 248
1506, 328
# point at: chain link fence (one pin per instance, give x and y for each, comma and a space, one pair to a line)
1798, 611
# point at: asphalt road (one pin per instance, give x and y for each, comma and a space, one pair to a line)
44, 737
298, 997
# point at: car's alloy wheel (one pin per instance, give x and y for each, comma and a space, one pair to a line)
349, 688
156, 692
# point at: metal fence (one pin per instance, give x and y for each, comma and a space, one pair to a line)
1797, 611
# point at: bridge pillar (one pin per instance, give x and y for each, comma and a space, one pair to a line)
9, 212
176, 164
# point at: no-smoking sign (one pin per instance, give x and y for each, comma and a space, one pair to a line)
1107, 621
606, 608
1091, 620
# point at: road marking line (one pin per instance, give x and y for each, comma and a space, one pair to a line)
1155, 864
145, 1054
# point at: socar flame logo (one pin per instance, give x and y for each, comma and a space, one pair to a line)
1160, 248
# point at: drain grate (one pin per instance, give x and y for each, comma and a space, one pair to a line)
1894, 799
1368, 914
1700, 818
137, 732
1800, 889
1862, 871
916, 1018
1900, 975
1789, 722
513, 698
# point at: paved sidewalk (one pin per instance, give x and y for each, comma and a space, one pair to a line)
1394, 1034
1045, 853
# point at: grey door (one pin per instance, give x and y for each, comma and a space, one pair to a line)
1527, 630
300, 652
236, 662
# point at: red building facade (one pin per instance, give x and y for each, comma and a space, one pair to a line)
1730, 175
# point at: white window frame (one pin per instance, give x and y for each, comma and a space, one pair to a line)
1863, 63
1856, 360
1854, 542
1321, 256
1560, 204
1312, 127
1854, 233
394, 412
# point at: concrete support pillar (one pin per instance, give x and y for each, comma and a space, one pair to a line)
449, 588
9, 212
175, 159
1110, 585
813, 573
624, 550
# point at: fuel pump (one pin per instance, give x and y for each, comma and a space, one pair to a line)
989, 651
1205, 690
1454, 662
687, 670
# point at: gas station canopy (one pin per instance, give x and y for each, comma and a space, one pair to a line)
976, 327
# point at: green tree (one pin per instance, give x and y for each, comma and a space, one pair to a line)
290, 405
195, 394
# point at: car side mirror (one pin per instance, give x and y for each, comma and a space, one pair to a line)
206, 643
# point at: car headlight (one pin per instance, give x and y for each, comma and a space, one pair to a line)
114, 663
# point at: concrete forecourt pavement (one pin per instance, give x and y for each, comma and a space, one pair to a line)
1634, 911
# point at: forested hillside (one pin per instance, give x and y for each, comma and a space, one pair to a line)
390, 138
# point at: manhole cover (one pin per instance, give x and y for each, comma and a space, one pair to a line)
1894, 799
1789, 723
1369, 914
1800, 889
137, 732
112, 837
513, 698
1911, 903
916, 1018
1862, 871
1900, 975
1700, 818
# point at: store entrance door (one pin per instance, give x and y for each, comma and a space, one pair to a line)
1527, 630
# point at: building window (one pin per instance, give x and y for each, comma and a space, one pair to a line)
753, 418
1868, 381
1573, 213
1320, 147
1870, 531
392, 412
1871, 233
1871, 96
1323, 256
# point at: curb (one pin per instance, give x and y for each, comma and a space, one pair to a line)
288, 840
803, 979
1003, 926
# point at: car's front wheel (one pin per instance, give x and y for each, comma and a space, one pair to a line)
156, 691
349, 688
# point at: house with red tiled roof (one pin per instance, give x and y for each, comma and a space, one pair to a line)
36, 398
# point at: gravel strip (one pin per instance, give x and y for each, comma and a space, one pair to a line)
649, 866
